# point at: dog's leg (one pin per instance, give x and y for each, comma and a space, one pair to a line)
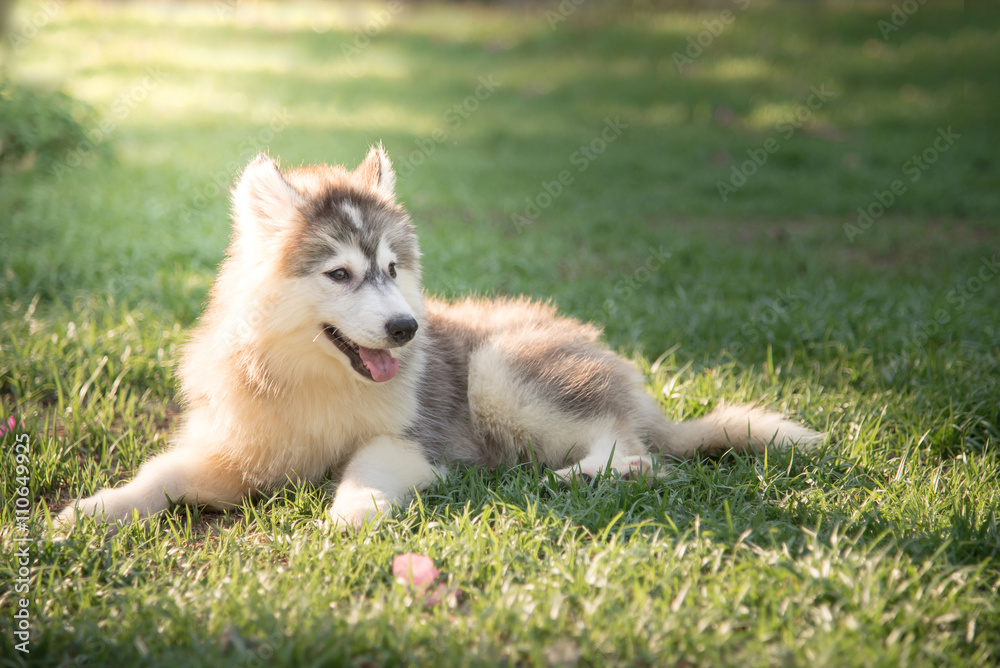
381, 475
620, 451
183, 475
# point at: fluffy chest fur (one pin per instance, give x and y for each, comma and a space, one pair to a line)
280, 412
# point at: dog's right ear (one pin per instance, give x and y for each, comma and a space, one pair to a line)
376, 172
263, 202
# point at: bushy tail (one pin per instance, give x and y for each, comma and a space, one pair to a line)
741, 428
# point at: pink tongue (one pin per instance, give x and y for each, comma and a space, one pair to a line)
380, 363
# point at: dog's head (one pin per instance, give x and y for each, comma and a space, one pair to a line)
333, 259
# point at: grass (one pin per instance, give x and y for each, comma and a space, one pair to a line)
882, 548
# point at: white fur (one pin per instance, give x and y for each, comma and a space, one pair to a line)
378, 478
345, 257
360, 311
271, 399
529, 426
612, 448
741, 428
353, 215
385, 256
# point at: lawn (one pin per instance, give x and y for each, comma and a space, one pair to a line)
792, 204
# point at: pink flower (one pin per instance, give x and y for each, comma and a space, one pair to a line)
9, 425
417, 572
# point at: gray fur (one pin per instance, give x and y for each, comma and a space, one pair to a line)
290, 373
324, 223
557, 357
560, 360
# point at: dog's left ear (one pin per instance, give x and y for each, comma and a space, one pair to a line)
263, 202
376, 173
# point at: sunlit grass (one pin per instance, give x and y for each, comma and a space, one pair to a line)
879, 549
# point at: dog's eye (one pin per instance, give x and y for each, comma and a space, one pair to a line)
392, 269
338, 275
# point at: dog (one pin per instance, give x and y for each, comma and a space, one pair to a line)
318, 353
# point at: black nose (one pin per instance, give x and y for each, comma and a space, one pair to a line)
402, 328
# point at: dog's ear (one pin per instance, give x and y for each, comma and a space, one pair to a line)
263, 202
376, 173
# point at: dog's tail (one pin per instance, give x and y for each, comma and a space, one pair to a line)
740, 428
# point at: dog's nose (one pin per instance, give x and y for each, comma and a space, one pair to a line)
401, 328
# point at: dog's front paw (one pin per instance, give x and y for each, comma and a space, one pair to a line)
352, 511
92, 506
109, 506
66, 517
64, 521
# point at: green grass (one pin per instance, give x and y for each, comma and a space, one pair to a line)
882, 548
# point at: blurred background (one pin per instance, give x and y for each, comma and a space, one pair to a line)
598, 151
795, 204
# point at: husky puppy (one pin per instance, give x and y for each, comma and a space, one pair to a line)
319, 353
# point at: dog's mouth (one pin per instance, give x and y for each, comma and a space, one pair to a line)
373, 363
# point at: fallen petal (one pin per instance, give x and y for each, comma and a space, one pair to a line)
414, 570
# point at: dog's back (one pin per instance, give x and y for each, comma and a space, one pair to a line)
319, 352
